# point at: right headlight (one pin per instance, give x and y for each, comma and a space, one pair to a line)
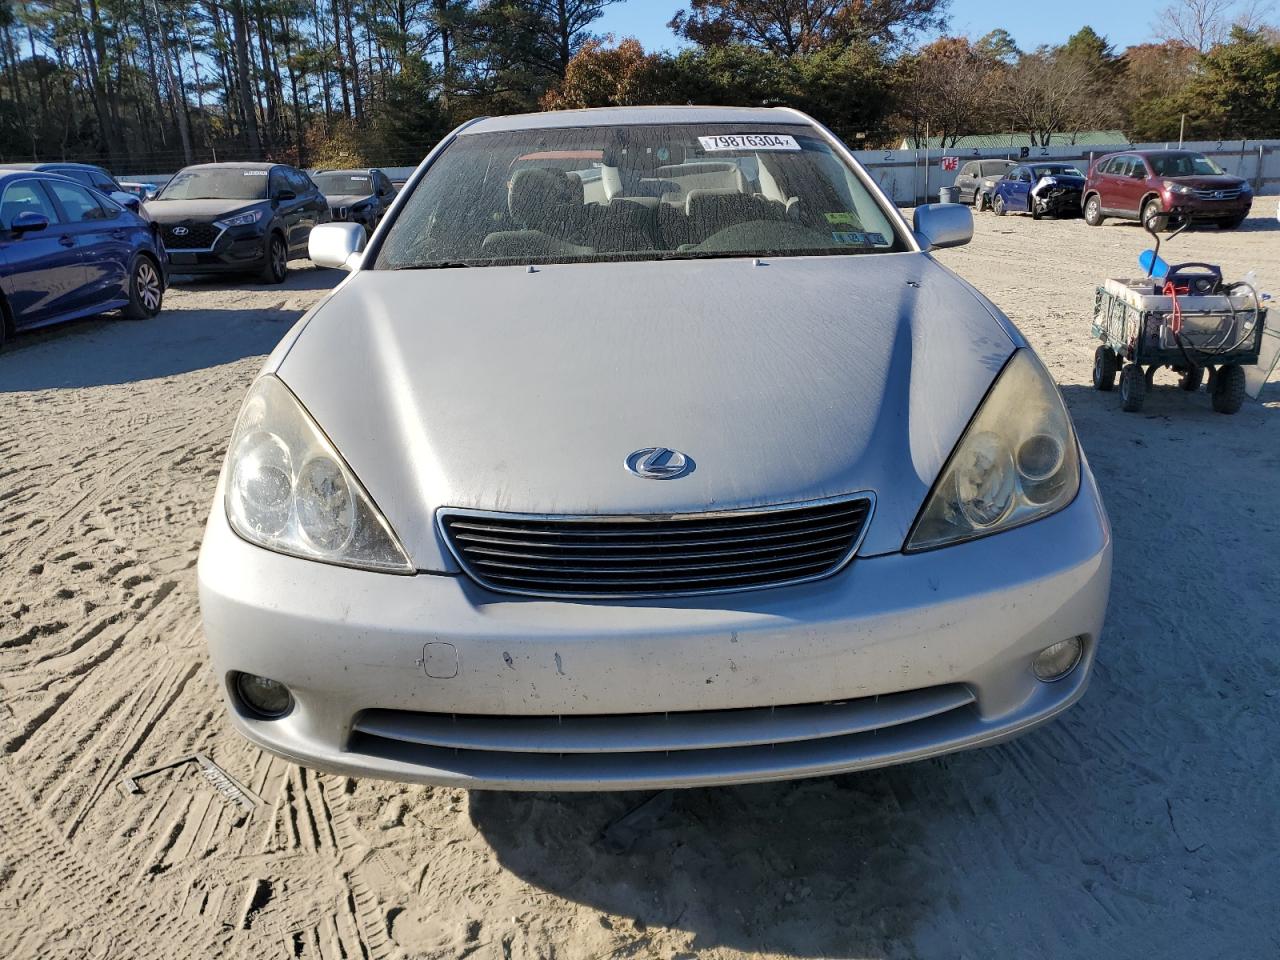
290, 491
1017, 462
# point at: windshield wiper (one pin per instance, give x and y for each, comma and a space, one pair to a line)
435, 265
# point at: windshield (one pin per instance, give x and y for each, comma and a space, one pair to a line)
995, 168
226, 184
644, 192
1056, 169
1183, 165
342, 182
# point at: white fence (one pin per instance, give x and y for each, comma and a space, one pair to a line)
914, 176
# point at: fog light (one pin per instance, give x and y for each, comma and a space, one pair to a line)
1057, 660
270, 699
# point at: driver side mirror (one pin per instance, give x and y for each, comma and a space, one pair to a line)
126, 200
283, 195
29, 222
938, 225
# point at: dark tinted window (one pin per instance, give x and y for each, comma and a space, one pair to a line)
24, 196
1184, 165
994, 168
78, 204
297, 180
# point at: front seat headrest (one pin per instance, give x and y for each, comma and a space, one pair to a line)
539, 195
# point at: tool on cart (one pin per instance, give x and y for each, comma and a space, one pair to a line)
1183, 316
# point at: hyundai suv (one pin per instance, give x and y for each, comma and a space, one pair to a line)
238, 218
1137, 184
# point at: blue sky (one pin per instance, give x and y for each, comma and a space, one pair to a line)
1123, 22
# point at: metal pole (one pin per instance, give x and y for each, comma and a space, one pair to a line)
926, 161
1182, 128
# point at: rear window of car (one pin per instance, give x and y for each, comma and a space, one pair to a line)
79, 205
1183, 165
233, 183
630, 193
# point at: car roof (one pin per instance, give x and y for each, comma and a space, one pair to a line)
623, 116
347, 170
9, 170
235, 165
52, 165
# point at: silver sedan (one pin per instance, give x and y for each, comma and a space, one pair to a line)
649, 447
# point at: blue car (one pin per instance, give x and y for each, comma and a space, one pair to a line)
1039, 188
67, 251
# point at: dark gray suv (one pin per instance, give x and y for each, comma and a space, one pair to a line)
977, 181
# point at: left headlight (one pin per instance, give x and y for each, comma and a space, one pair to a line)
240, 220
289, 490
1016, 462
1178, 188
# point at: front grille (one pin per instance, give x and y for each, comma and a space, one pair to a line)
1226, 193
199, 236
664, 746
662, 555
340, 213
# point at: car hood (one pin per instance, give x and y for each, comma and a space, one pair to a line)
346, 199
176, 211
505, 388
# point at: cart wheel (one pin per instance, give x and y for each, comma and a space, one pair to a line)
1191, 379
1133, 388
1105, 367
1228, 389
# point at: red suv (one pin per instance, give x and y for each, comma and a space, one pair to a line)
1136, 184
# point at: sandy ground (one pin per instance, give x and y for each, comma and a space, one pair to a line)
1143, 823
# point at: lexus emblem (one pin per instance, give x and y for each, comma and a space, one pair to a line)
180, 231
659, 463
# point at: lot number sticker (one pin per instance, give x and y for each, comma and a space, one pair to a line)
749, 141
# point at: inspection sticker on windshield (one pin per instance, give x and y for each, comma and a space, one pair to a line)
749, 141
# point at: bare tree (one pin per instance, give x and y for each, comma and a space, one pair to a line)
1203, 24
1048, 95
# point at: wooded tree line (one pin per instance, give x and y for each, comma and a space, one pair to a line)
154, 84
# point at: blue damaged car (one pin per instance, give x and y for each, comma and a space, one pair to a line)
1039, 188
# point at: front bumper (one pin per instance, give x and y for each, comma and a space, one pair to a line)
1059, 204
1217, 210
431, 679
235, 250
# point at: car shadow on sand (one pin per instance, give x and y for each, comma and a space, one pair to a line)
106, 349
831, 866
303, 275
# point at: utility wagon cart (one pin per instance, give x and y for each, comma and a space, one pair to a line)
1183, 317
1145, 329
